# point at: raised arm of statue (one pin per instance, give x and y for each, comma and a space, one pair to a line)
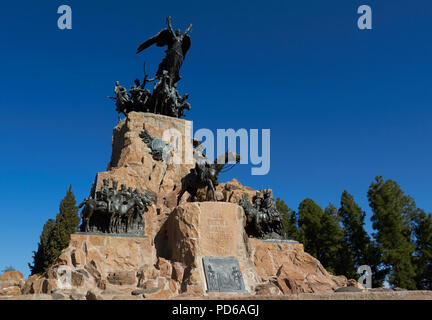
188, 29
170, 25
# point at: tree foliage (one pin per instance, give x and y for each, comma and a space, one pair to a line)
423, 253
392, 213
360, 248
321, 234
41, 259
399, 250
331, 240
289, 219
310, 215
55, 234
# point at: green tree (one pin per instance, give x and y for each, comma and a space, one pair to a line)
322, 235
67, 222
423, 252
310, 217
331, 241
355, 235
289, 219
361, 249
392, 213
55, 234
40, 257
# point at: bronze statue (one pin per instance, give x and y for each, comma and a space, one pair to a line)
160, 150
205, 174
115, 211
165, 98
122, 98
263, 220
178, 45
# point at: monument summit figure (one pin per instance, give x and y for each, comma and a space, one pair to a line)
165, 98
178, 45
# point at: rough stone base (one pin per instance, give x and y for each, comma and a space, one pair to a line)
169, 263
208, 229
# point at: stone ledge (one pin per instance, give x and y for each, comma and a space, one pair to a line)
120, 235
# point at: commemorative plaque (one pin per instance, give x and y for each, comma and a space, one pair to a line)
223, 275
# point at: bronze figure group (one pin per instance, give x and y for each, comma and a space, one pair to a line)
122, 211
165, 99
115, 211
205, 174
263, 220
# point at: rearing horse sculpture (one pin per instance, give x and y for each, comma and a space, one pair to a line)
205, 175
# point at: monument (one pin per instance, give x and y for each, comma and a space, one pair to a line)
165, 98
115, 211
171, 229
263, 219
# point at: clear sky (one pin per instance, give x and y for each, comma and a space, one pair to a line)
343, 105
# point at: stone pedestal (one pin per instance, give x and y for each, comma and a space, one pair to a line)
169, 261
208, 229
109, 254
132, 162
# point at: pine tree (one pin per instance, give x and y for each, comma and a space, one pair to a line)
310, 216
55, 234
392, 213
375, 261
322, 235
356, 237
423, 252
67, 222
40, 257
289, 219
331, 240
361, 249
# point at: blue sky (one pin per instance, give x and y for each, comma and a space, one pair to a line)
343, 105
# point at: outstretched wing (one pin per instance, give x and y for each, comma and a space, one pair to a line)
186, 45
161, 39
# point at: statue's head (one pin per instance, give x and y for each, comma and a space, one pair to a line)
267, 193
123, 187
117, 83
115, 184
178, 32
165, 75
137, 82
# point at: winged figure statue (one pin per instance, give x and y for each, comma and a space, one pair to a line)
178, 45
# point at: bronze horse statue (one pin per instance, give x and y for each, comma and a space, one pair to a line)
91, 205
122, 209
118, 210
206, 175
